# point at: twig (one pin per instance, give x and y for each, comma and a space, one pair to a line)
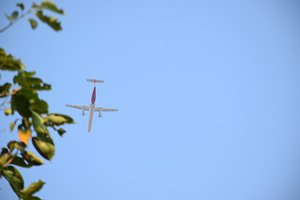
14, 21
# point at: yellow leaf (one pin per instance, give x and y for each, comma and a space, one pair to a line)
24, 135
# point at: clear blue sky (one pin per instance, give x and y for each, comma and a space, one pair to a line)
208, 95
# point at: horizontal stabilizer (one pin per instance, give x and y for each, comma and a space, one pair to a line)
94, 80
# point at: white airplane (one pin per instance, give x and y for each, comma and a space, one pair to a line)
92, 107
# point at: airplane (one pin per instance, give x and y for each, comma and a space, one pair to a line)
92, 107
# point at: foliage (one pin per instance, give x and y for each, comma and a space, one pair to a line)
21, 100
38, 12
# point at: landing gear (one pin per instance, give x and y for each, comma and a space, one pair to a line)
83, 113
100, 114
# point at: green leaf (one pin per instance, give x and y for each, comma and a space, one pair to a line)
8, 62
4, 90
14, 177
39, 106
20, 162
33, 23
31, 158
22, 76
48, 5
35, 103
13, 16
61, 131
4, 151
59, 119
15, 145
38, 125
33, 188
12, 125
30, 94
50, 21
21, 6
21, 104
4, 158
45, 148
26, 99
41, 86
37, 84
31, 198
26, 123
27, 81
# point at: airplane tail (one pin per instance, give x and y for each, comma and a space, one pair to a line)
94, 80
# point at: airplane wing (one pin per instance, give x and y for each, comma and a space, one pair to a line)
105, 109
78, 107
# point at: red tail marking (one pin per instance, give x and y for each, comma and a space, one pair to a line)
93, 99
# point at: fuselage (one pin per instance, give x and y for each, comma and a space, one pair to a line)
92, 108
